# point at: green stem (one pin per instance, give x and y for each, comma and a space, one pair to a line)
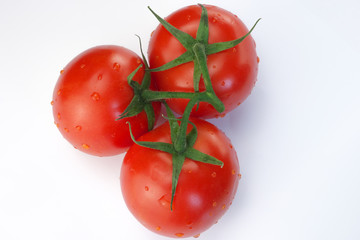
150, 95
201, 58
180, 144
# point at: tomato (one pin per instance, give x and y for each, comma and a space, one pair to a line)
204, 191
233, 72
90, 94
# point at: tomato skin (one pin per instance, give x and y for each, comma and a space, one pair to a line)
233, 72
204, 191
91, 92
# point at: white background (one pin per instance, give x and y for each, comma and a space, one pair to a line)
297, 135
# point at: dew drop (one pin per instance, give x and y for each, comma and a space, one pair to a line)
233, 172
214, 20
52, 103
100, 76
95, 96
85, 146
213, 174
188, 17
197, 235
61, 71
138, 61
146, 188
66, 129
165, 201
116, 67
152, 33
78, 128
189, 224
234, 50
214, 204
57, 124
239, 176
179, 234
59, 92
59, 116
223, 207
222, 115
238, 103
257, 59
158, 228
82, 66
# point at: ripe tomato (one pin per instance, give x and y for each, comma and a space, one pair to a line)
233, 72
90, 94
204, 191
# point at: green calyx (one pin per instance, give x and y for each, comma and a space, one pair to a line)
178, 158
197, 50
139, 103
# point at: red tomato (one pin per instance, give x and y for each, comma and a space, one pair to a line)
233, 72
91, 92
204, 191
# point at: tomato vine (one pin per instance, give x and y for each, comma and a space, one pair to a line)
197, 50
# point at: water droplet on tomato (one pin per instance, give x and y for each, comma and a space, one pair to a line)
59, 116
82, 66
85, 146
234, 50
197, 235
165, 201
57, 124
222, 115
59, 92
66, 129
258, 59
78, 128
95, 96
223, 206
188, 17
61, 71
100, 76
214, 204
146, 188
239, 176
213, 174
233, 172
138, 61
158, 228
52, 103
179, 234
214, 20
116, 67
